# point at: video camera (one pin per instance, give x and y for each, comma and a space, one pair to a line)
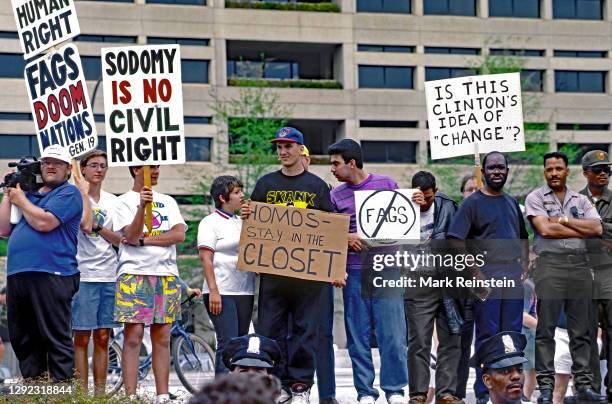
28, 175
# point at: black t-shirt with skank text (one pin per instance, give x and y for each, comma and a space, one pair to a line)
305, 190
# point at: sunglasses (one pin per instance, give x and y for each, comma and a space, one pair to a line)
600, 169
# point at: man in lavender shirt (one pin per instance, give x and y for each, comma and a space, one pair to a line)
362, 314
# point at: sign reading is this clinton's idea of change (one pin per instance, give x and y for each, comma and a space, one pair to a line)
43, 24
60, 102
143, 105
483, 110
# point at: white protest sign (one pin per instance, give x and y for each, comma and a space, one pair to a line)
60, 102
387, 215
42, 24
143, 105
483, 110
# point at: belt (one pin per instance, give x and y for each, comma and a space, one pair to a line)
568, 258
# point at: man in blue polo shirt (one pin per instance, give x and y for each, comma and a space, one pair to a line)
42, 269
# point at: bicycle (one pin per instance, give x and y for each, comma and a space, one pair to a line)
193, 359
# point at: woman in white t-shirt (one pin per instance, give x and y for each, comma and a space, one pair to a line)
228, 292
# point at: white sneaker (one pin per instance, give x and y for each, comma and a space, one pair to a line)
300, 394
285, 397
397, 399
367, 400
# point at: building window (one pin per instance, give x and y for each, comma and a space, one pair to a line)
384, 6
514, 8
105, 38
385, 77
450, 7
580, 54
17, 146
15, 116
516, 52
440, 73
452, 51
532, 80
8, 35
577, 150
197, 120
385, 48
583, 126
263, 69
160, 40
101, 142
194, 71
197, 148
578, 9
92, 67
388, 124
12, 65
389, 151
179, 2
569, 81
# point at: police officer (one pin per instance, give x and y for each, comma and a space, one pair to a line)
251, 353
501, 359
596, 169
562, 219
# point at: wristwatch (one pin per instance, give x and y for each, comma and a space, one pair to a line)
141, 241
98, 228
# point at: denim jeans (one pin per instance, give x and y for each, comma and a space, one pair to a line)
386, 317
326, 375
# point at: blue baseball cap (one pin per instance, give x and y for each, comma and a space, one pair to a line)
288, 134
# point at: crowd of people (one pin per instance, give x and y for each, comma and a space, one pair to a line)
91, 254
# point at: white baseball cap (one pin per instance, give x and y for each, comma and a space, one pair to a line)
57, 152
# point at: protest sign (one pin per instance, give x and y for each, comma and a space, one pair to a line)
387, 215
299, 243
143, 105
42, 24
60, 102
478, 110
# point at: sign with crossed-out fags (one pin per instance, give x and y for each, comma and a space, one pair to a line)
387, 216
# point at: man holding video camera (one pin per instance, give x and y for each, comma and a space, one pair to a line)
42, 269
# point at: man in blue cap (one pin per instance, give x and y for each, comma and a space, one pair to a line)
279, 299
251, 353
501, 359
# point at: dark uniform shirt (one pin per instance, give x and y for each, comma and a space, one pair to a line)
601, 254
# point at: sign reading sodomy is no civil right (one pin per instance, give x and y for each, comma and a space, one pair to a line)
143, 105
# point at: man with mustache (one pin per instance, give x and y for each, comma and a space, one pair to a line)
494, 220
501, 359
562, 219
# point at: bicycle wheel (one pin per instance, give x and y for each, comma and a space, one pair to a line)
194, 362
114, 378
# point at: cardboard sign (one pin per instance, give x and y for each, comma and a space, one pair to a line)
42, 24
143, 105
483, 110
299, 243
387, 215
60, 102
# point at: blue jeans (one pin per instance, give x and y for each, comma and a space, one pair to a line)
326, 375
389, 323
233, 321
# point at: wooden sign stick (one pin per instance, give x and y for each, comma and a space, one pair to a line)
477, 172
148, 207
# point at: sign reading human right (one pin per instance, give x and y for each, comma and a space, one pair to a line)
143, 105
42, 24
477, 110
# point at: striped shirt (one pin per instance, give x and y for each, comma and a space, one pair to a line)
343, 199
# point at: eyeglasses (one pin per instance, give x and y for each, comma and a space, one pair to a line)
600, 169
95, 166
46, 163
